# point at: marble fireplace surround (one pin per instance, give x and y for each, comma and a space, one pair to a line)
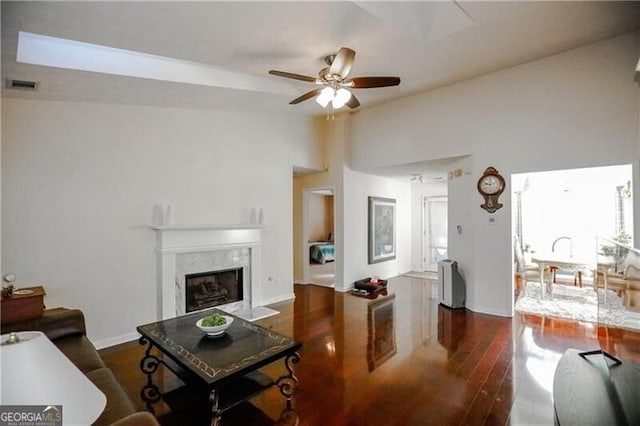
186, 249
209, 262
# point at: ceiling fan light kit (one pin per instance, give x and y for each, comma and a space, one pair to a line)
341, 97
334, 78
325, 96
338, 98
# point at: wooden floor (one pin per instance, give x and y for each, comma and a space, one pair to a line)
403, 360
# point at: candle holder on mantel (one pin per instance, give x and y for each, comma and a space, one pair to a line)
169, 216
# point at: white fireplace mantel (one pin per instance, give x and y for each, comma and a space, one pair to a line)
190, 238
177, 239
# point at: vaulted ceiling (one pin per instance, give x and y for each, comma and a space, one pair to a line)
427, 44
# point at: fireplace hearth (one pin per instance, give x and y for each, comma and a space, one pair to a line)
209, 289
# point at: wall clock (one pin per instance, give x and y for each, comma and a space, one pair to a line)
491, 185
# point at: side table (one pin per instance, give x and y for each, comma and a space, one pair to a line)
24, 304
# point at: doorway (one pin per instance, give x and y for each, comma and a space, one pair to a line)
318, 236
558, 218
434, 235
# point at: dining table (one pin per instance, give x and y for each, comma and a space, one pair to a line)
561, 262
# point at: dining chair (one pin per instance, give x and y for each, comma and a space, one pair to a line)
529, 271
625, 284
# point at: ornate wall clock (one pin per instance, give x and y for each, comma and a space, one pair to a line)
491, 185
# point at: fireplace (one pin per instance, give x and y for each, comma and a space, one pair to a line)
208, 289
195, 249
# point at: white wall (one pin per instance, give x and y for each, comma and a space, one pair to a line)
575, 109
2, 270
352, 190
332, 152
418, 192
320, 216
636, 175
358, 187
80, 181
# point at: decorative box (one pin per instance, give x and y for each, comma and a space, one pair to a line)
367, 285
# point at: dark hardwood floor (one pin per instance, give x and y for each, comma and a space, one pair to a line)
403, 360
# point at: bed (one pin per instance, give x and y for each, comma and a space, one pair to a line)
322, 252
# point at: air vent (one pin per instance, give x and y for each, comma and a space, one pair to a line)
22, 84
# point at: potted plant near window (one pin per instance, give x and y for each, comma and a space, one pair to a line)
617, 252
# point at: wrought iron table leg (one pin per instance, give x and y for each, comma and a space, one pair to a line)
150, 392
288, 383
288, 417
215, 411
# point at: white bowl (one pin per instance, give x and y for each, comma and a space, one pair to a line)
218, 330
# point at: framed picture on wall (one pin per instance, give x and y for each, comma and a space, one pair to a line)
382, 229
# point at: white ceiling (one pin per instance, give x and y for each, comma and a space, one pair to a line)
427, 44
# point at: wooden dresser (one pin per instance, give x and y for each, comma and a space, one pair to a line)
24, 304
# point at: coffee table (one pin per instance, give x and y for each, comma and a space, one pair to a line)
222, 370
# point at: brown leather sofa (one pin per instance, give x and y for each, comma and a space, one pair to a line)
66, 329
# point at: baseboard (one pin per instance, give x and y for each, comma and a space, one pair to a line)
265, 302
490, 312
343, 290
129, 337
112, 341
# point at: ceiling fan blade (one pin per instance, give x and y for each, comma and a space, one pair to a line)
342, 63
292, 75
370, 82
353, 102
306, 96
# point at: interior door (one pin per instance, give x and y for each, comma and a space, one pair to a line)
434, 231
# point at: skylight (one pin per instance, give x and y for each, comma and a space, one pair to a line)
57, 52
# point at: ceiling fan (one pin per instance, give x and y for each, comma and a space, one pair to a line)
335, 80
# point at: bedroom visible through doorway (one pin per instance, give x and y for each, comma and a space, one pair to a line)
319, 237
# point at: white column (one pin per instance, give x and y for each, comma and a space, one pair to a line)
256, 273
167, 285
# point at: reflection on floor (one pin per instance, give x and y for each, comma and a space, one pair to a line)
403, 359
323, 274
